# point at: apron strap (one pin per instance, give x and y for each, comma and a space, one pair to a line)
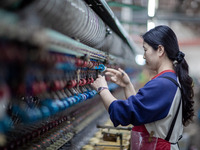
175, 117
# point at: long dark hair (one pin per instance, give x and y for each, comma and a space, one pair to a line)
163, 35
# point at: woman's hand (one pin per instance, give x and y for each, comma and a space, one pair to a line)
99, 82
118, 76
106, 96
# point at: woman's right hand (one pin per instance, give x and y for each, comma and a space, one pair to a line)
118, 76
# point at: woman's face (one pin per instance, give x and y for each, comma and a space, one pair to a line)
151, 57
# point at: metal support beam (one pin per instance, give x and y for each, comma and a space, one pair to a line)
119, 4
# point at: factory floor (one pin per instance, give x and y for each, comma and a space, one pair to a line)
85, 135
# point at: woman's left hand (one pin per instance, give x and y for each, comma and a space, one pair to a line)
99, 82
119, 77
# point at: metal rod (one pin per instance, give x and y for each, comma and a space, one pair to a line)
116, 128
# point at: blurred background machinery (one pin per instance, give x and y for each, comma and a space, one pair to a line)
50, 53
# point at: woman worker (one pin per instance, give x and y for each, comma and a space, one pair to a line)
165, 104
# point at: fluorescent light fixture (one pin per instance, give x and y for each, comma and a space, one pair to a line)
151, 8
150, 25
139, 59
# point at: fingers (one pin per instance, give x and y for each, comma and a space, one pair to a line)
109, 74
113, 79
99, 76
112, 70
121, 71
99, 82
